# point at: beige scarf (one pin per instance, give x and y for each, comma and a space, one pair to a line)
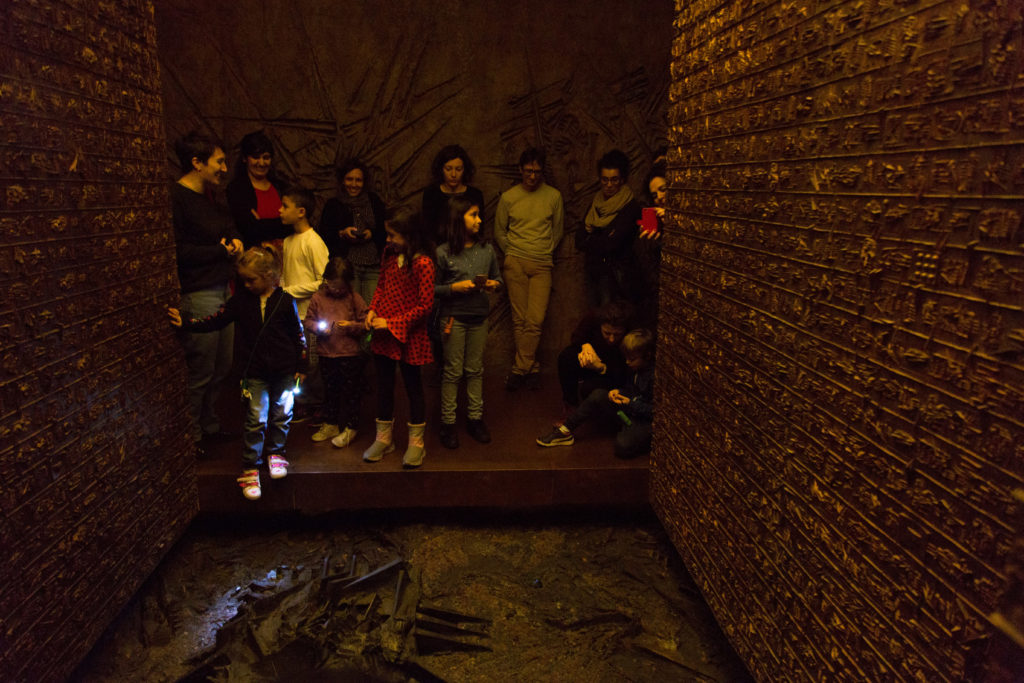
602, 211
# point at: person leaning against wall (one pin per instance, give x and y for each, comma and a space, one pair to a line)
207, 246
528, 226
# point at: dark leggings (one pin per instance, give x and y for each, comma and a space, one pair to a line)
630, 441
386, 389
343, 389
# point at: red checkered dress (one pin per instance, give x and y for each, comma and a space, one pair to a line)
404, 297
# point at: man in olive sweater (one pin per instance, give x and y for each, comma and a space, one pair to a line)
528, 225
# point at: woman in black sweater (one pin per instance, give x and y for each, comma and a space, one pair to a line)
352, 226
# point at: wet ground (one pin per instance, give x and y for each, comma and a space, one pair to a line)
453, 596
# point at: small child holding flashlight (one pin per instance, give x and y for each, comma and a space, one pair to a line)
336, 315
270, 349
631, 406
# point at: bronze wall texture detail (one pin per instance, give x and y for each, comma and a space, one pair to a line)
840, 446
97, 478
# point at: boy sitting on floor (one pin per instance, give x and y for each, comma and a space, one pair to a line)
632, 404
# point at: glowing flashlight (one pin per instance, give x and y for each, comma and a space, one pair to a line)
321, 325
297, 390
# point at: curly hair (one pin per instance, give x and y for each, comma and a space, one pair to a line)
446, 154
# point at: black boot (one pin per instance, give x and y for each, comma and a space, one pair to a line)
478, 430
448, 436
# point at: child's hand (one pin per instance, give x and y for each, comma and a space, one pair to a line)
299, 379
379, 323
370, 315
175, 315
463, 287
492, 285
616, 397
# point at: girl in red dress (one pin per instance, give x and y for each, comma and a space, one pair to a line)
398, 318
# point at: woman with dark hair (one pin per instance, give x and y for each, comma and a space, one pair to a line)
451, 171
352, 225
647, 248
607, 235
254, 194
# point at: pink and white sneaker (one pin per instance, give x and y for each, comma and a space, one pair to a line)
249, 480
278, 467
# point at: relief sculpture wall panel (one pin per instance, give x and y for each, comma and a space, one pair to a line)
96, 481
840, 454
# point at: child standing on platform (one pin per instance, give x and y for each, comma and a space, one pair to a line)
271, 353
467, 269
398, 318
337, 315
305, 257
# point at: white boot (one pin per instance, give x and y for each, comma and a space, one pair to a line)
416, 451
347, 436
382, 444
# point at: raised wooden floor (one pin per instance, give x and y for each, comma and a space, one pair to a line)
510, 472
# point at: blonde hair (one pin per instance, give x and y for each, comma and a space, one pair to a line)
264, 261
638, 342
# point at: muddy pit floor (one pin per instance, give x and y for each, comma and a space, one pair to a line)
517, 597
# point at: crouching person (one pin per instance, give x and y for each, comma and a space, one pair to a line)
630, 405
270, 350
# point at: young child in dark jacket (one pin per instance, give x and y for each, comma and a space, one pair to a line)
631, 405
270, 350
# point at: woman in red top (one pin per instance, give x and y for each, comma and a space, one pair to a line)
398, 318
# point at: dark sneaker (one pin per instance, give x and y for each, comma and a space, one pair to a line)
478, 430
533, 381
514, 381
559, 436
448, 436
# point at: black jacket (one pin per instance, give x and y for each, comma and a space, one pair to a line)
199, 225
336, 216
241, 197
611, 246
265, 350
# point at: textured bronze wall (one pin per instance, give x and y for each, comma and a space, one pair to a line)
94, 483
840, 446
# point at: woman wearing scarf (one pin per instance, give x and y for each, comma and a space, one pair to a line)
607, 235
352, 226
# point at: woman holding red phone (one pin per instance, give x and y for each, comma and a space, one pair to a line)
648, 247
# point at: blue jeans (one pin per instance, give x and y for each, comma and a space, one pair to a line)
267, 417
463, 354
208, 357
365, 281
